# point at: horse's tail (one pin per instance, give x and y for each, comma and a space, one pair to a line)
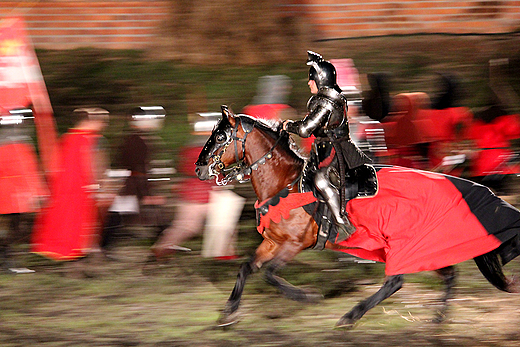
490, 266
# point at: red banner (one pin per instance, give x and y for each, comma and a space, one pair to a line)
22, 85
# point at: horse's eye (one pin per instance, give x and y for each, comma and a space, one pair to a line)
221, 137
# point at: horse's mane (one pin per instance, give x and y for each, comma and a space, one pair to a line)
273, 128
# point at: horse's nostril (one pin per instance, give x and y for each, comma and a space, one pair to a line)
197, 170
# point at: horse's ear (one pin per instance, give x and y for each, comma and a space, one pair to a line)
226, 113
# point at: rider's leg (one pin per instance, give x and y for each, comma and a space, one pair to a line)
331, 196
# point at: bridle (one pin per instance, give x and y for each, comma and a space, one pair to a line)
240, 171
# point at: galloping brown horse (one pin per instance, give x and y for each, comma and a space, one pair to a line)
417, 221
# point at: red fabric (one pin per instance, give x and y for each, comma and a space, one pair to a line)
283, 208
450, 124
265, 111
21, 183
418, 221
327, 161
68, 226
405, 126
494, 141
23, 86
192, 189
306, 143
195, 190
272, 111
410, 156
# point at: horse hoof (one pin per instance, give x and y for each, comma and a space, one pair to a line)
439, 318
345, 324
513, 285
227, 320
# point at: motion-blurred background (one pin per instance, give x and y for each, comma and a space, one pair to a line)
191, 56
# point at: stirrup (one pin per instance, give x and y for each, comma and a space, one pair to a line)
323, 234
345, 230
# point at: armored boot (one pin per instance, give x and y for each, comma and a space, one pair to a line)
331, 196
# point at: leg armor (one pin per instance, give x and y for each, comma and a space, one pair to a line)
331, 196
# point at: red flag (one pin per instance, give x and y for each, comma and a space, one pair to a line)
22, 85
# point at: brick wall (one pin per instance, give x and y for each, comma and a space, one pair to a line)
60, 24
334, 19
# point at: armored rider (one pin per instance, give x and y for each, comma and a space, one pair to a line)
335, 151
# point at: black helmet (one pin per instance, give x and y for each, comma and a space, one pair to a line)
322, 72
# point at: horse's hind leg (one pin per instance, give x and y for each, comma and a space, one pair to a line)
449, 276
392, 284
491, 268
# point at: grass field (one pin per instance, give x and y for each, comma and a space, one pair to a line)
177, 303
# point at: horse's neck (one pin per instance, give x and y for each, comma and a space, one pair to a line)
277, 173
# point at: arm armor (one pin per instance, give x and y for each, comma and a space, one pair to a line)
305, 127
327, 111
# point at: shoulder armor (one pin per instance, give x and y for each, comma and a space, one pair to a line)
328, 98
332, 96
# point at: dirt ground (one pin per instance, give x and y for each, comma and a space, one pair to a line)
124, 303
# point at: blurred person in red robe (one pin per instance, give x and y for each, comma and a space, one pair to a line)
22, 187
68, 227
202, 206
495, 131
192, 207
494, 163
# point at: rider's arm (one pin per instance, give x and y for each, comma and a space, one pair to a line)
311, 122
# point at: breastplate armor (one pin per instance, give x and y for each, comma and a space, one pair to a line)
328, 108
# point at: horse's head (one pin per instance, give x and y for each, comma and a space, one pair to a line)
228, 156
215, 158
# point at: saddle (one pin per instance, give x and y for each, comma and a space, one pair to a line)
359, 182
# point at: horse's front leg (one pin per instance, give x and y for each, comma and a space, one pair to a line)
287, 253
292, 236
264, 253
392, 284
282, 242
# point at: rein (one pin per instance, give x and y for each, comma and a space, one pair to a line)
240, 171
